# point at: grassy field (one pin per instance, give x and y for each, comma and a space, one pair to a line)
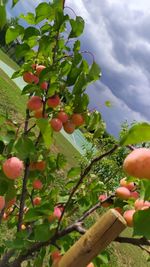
123, 255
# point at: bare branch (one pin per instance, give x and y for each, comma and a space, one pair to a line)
133, 241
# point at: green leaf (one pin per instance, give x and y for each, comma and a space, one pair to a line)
108, 104
3, 18
13, 32
14, 2
30, 31
74, 172
42, 232
76, 47
11, 191
94, 121
25, 147
137, 134
3, 187
46, 131
142, 223
29, 18
65, 67
94, 73
44, 11
145, 189
80, 84
77, 27
22, 50
38, 212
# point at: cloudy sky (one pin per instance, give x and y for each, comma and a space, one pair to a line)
117, 33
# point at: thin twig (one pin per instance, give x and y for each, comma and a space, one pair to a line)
23, 195
82, 176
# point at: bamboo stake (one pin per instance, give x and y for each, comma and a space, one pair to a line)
94, 241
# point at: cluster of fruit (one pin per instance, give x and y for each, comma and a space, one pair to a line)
35, 104
13, 169
135, 164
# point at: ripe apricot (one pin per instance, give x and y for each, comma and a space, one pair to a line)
37, 201
29, 77
44, 85
102, 198
129, 185
90, 264
55, 215
62, 116
77, 119
2, 202
13, 168
123, 192
37, 184
53, 101
56, 256
139, 204
128, 216
40, 165
134, 195
56, 124
69, 127
39, 68
34, 103
137, 163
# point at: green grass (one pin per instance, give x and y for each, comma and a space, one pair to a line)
11, 100
125, 255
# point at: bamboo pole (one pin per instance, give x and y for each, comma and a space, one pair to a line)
94, 241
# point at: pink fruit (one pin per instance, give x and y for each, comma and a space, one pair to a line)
44, 85
37, 201
134, 195
77, 119
62, 116
53, 101
129, 185
90, 264
56, 124
128, 216
102, 198
13, 168
39, 68
55, 215
57, 212
34, 103
29, 77
2, 202
137, 163
40, 165
56, 256
37, 184
69, 127
123, 192
139, 204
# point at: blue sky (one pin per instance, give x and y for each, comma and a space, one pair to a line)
117, 33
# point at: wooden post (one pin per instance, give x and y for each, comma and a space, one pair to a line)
94, 241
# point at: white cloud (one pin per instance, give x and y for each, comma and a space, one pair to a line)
118, 34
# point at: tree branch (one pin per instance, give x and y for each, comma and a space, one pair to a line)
23, 195
85, 172
133, 241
